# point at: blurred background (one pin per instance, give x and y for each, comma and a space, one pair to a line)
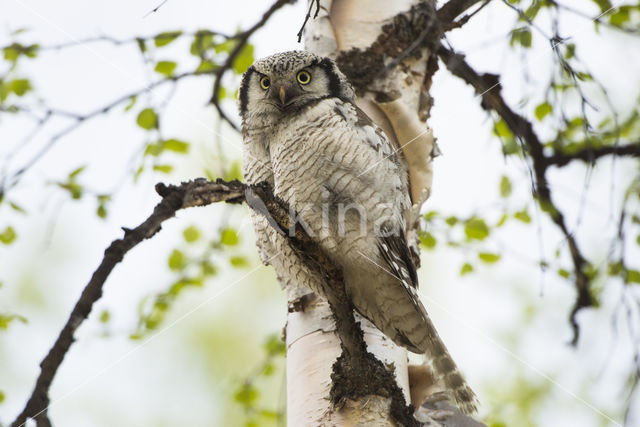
188, 329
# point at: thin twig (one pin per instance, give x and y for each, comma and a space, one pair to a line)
308, 15
590, 154
155, 9
452, 9
464, 19
133, 40
241, 41
79, 119
597, 19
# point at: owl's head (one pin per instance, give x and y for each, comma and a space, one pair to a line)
289, 81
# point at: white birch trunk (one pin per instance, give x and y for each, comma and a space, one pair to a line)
312, 343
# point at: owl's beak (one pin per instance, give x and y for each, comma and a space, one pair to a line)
284, 93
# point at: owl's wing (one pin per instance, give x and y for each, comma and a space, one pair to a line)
395, 252
397, 309
379, 157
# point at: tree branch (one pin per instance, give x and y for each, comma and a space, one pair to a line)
7, 182
241, 41
357, 372
487, 86
194, 193
591, 154
452, 9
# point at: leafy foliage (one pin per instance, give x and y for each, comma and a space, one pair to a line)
193, 263
248, 393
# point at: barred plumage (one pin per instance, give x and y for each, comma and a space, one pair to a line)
305, 136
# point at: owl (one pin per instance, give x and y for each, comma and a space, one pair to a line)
304, 135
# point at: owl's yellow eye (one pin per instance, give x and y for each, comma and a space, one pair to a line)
265, 83
304, 77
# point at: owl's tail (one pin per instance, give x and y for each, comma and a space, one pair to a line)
446, 372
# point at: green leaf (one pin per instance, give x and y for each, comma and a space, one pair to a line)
274, 346
244, 59
581, 75
147, 119
132, 102
523, 216
19, 86
563, 273
428, 240
451, 221
11, 53
638, 239
633, 276
75, 190
166, 67
505, 187
430, 215
8, 235
17, 208
154, 149
488, 257
226, 46
268, 369
176, 146
6, 319
274, 415
476, 228
206, 66
163, 168
503, 220
191, 234
229, 237
604, 5
247, 394
570, 51
466, 269
234, 172
165, 38
101, 211
238, 261
177, 260
142, 45
533, 9
2, 396
502, 129
105, 316
208, 269
542, 110
615, 268
74, 173
620, 17
521, 36
202, 41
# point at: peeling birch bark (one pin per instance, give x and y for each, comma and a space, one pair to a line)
312, 348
